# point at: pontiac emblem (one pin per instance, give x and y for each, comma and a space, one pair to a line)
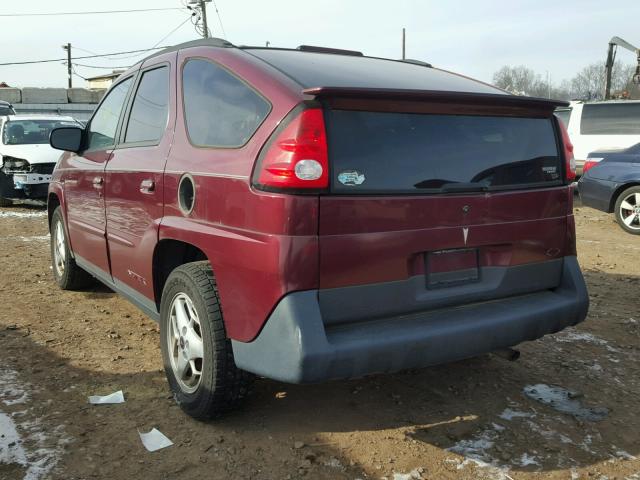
465, 234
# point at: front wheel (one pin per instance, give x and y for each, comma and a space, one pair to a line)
196, 352
627, 210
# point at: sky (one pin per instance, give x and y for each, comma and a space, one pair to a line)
474, 38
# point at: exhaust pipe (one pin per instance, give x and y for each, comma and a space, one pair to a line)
510, 354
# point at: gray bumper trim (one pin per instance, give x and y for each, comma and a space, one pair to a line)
295, 345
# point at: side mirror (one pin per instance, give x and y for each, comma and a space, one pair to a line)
66, 138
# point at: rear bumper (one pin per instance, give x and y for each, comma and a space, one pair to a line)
596, 193
296, 346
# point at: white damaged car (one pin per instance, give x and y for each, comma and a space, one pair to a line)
26, 158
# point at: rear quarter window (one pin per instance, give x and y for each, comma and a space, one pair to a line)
220, 109
610, 119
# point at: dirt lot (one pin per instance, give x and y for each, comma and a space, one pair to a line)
479, 418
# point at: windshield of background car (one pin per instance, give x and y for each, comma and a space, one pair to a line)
375, 152
28, 132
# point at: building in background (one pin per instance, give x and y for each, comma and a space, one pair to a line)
78, 103
103, 81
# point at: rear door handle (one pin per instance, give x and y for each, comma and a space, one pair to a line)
147, 186
97, 182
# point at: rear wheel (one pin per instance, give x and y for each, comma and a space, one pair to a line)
197, 354
627, 210
67, 274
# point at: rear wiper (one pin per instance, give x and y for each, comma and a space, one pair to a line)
464, 187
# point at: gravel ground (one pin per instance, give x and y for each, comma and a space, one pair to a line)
565, 410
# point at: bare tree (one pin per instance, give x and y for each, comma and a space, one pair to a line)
520, 80
587, 84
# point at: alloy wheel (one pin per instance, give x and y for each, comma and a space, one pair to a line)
59, 249
630, 211
184, 339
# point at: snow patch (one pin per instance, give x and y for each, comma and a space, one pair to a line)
11, 450
509, 414
412, 475
572, 336
564, 401
12, 392
12, 214
526, 460
24, 442
475, 451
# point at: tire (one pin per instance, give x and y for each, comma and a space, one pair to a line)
197, 355
627, 210
5, 182
67, 274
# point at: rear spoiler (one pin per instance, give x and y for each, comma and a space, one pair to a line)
493, 99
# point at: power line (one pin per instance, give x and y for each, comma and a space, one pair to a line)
159, 41
79, 58
49, 14
97, 66
219, 19
171, 32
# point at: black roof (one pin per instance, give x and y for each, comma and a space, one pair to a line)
318, 66
316, 69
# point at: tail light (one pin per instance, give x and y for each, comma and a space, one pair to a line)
297, 157
590, 163
568, 153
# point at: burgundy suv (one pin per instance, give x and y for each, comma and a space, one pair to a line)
313, 214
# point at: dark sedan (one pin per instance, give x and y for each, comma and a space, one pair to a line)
611, 183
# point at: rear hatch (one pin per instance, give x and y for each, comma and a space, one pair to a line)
438, 201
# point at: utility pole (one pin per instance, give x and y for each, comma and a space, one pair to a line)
403, 44
67, 47
203, 7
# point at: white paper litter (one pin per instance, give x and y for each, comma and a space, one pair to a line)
115, 397
154, 440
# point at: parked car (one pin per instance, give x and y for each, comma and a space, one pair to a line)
6, 109
26, 158
611, 183
610, 125
314, 214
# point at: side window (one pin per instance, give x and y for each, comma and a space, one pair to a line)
220, 109
102, 129
148, 118
610, 119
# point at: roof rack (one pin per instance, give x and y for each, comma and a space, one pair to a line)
202, 42
334, 51
416, 62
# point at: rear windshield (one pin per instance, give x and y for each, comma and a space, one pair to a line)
610, 119
375, 152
